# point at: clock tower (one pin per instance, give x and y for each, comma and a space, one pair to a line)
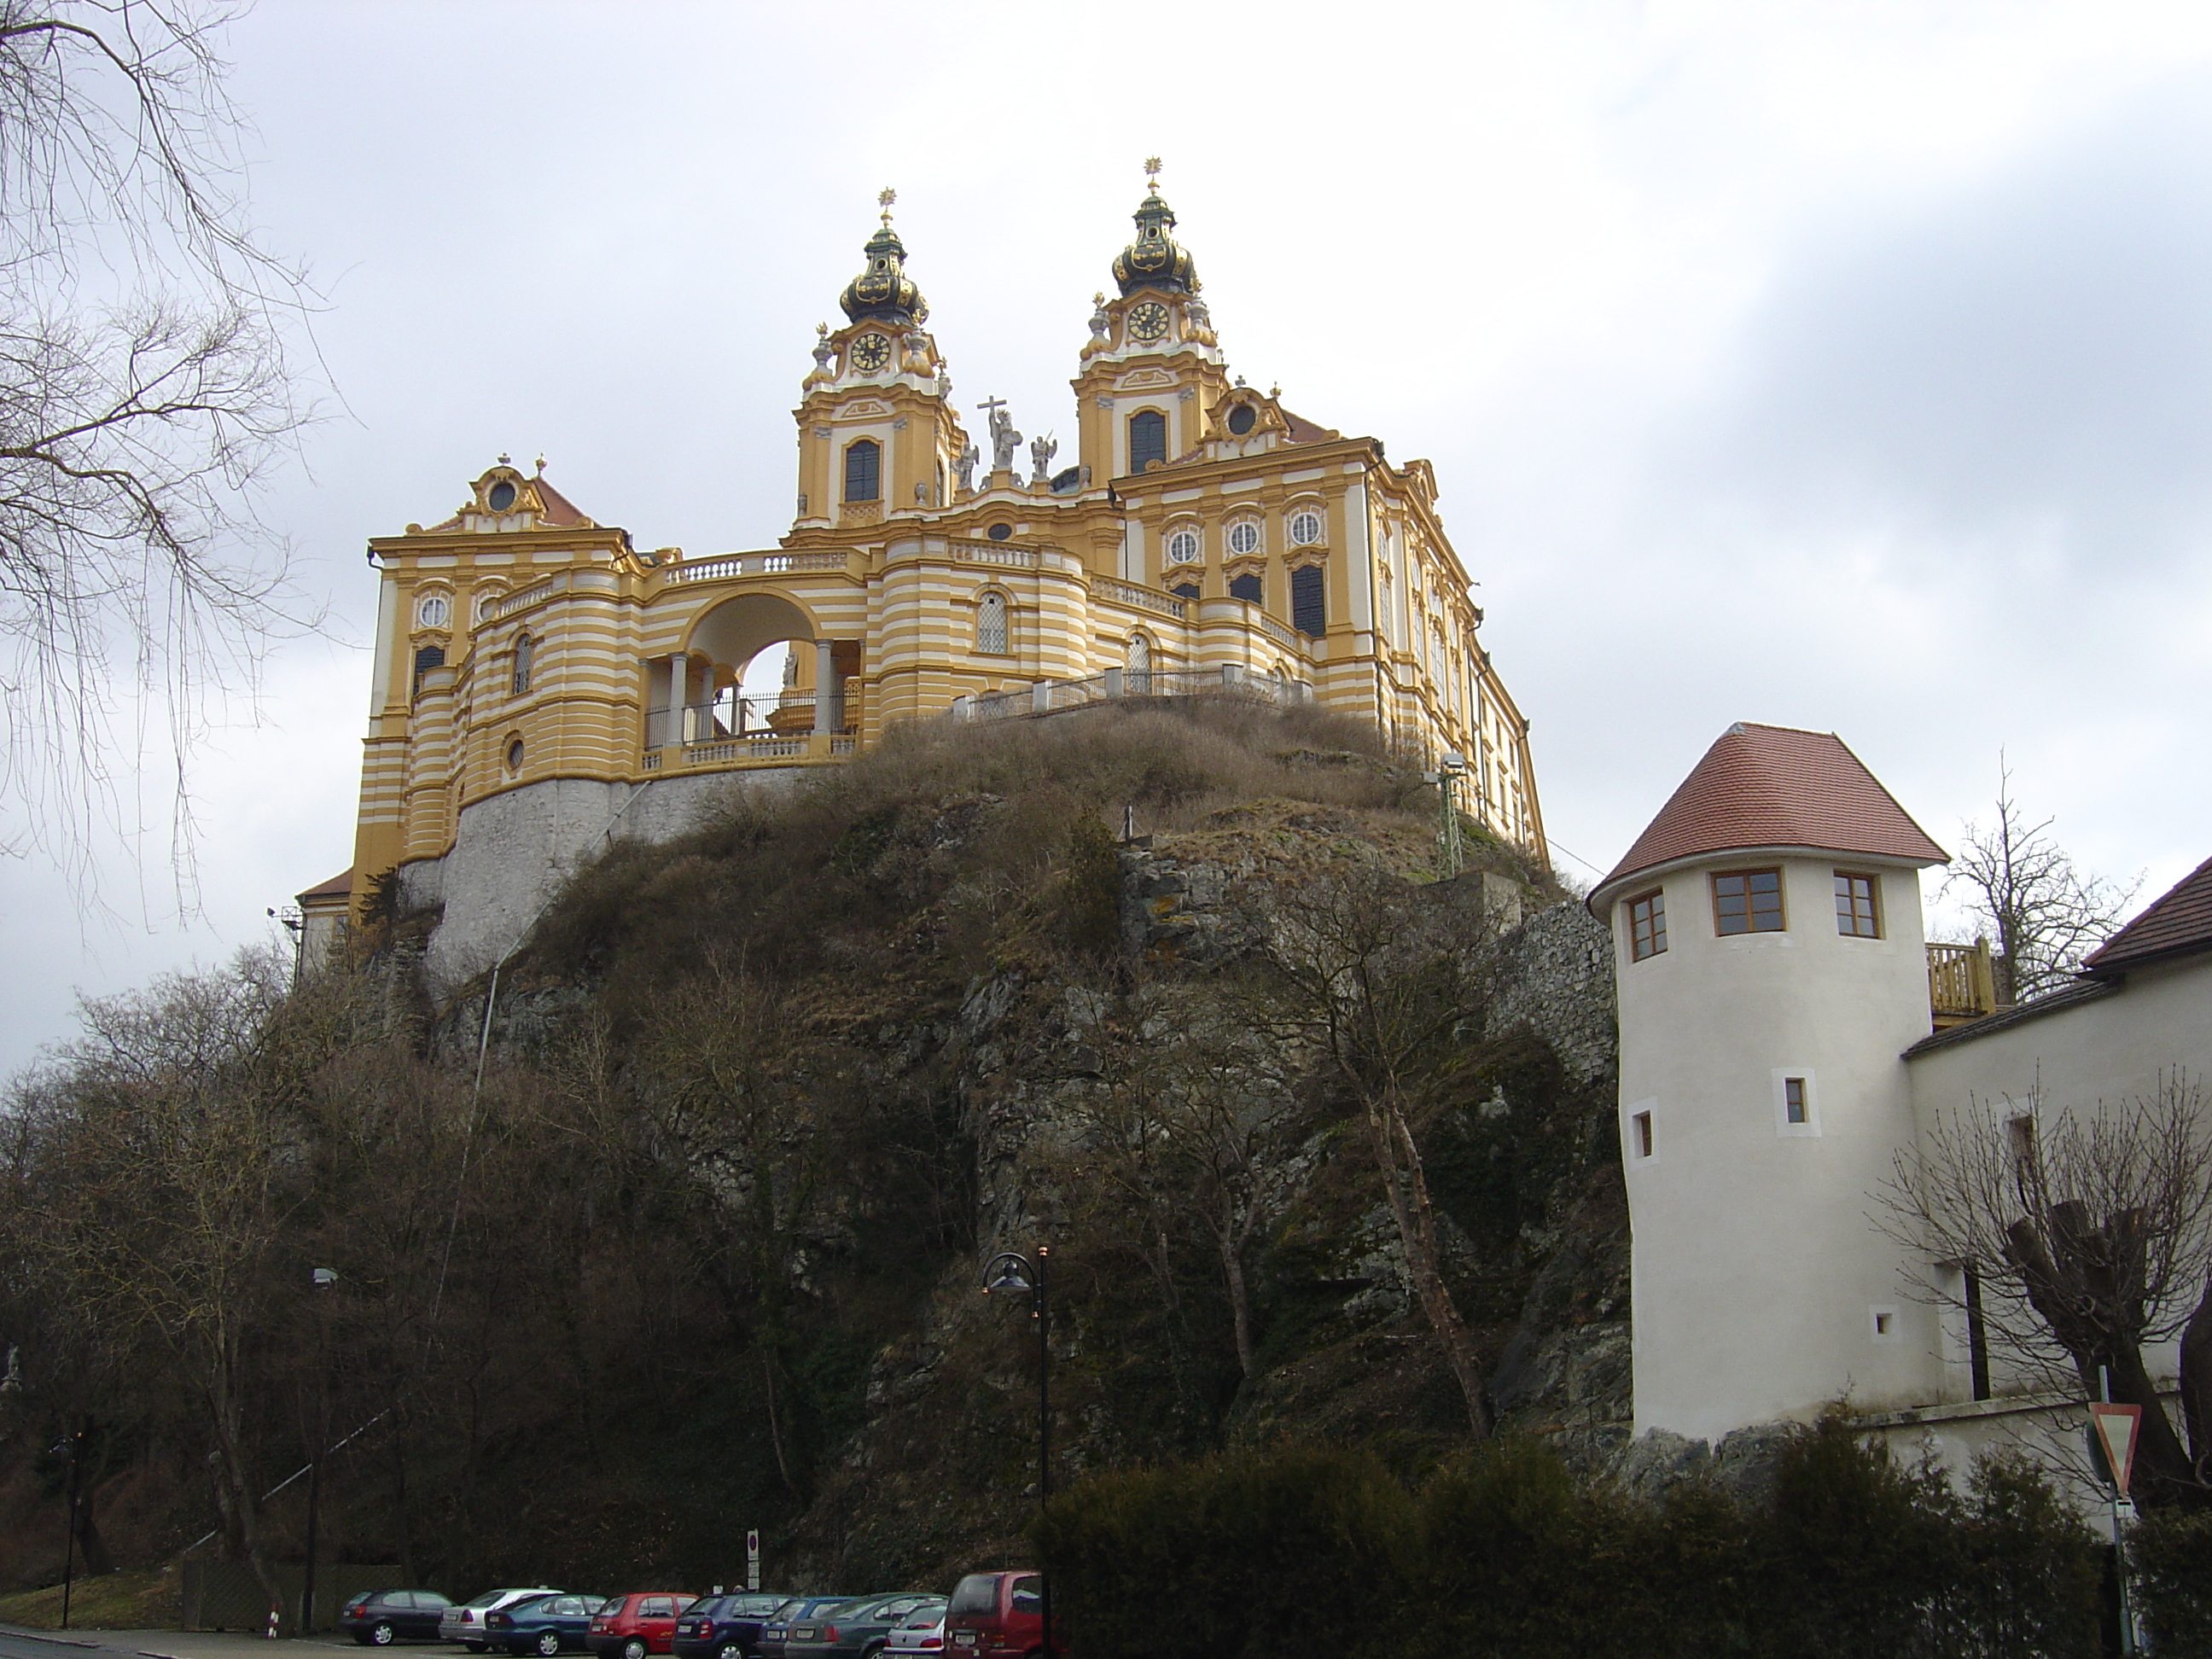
1152, 370
877, 435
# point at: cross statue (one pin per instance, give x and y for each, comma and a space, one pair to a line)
992, 404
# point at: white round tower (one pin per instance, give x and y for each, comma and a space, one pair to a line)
1771, 969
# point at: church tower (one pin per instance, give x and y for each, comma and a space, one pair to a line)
1152, 371
876, 433
1772, 972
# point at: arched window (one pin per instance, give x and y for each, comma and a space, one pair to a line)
1185, 590
429, 657
1309, 601
864, 469
1245, 587
526, 654
991, 624
1148, 439
1137, 664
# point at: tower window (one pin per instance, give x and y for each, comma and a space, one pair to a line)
991, 624
525, 656
864, 468
1748, 902
514, 756
1309, 601
1246, 586
1856, 914
1647, 926
1640, 1139
1793, 1099
429, 657
1148, 439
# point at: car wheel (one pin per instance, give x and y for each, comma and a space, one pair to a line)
730, 1651
636, 1648
549, 1643
383, 1634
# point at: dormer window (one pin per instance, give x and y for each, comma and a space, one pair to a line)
500, 496
1242, 419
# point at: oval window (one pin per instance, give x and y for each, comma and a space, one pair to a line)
1244, 537
502, 496
1305, 527
433, 611
999, 533
514, 756
1183, 547
1242, 418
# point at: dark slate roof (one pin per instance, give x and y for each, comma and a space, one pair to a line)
1775, 786
2177, 924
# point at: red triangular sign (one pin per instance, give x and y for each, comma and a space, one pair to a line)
2116, 1427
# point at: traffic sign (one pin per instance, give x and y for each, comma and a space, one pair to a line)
752, 1560
2116, 1428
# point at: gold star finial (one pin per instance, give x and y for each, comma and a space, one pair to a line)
541, 466
1151, 172
885, 197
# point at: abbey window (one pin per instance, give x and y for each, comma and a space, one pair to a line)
991, 624
525, 657
1309, 601
864, 466
1246, 586
1137, 666
427, 658
1148, 439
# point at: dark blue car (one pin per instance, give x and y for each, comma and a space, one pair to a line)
725, 1626
768, 1644
544, 1624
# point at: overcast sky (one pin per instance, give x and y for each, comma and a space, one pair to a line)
1847, 366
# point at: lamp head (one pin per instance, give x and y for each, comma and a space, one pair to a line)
1012, 1275
324, 1278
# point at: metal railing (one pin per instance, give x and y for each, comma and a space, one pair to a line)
1114, 684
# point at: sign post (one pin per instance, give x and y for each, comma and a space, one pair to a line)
752, 1560
2113, 1433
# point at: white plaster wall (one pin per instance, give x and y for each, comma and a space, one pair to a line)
513, 850
1755, 1267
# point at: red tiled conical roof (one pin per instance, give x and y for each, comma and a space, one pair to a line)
1774, 786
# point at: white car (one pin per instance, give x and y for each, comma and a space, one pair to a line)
465, 1624
922, 1636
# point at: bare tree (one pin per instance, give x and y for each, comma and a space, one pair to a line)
2086, 1235
145, 388
2022, 886
1379, 977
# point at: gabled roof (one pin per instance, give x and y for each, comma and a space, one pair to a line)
1301, 430
1775, 786
339, 886
2176, 924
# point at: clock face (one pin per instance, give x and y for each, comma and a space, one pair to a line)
871, 352
1149, 320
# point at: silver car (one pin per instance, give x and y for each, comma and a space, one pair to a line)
465, 1624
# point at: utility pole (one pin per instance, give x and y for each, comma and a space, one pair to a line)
72, 1447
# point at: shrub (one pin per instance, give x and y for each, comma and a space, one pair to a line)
2171, 1557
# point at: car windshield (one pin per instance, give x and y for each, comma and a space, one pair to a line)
977, 1592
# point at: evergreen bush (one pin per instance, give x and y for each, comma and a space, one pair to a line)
2170, 1555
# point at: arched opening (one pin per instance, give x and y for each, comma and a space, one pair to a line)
425, 659
864, 469
1148, 439
1137, 666
526, 657
992, 637
753, 667
1245, 585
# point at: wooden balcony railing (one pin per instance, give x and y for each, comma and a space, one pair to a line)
1961, 984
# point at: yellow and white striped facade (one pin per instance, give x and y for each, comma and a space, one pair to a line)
1201, 534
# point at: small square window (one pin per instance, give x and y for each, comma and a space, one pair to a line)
1793, 1099
1857, 916
1883, 1325
1647, 926
1748, 902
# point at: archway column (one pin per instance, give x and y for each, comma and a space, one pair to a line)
828, 693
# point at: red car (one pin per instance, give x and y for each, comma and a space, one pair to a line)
633, 1625
997, 1615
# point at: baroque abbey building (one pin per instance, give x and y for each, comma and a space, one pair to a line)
541, 681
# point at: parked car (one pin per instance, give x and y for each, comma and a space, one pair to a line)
920, 1635
383, 1617
643, 1621
998, 1614
465, 1624
725, 1626
544, 1624
770, 1643
853, 1629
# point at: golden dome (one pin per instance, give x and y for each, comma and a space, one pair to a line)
883, 290
1155, 259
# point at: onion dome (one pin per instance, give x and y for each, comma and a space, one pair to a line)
1155, 259
884, 291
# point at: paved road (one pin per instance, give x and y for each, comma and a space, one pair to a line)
19, 1644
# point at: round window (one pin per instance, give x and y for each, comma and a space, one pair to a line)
1245, 537
433, 611
514, 756
1183, 547
1242, 418
502, 496
1305, 527
999, 533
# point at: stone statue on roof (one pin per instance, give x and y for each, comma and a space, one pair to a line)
969, 459
1042, 450
1003, 439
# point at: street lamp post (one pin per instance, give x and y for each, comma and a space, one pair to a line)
70, 1446
1010, 1270
322, 1278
